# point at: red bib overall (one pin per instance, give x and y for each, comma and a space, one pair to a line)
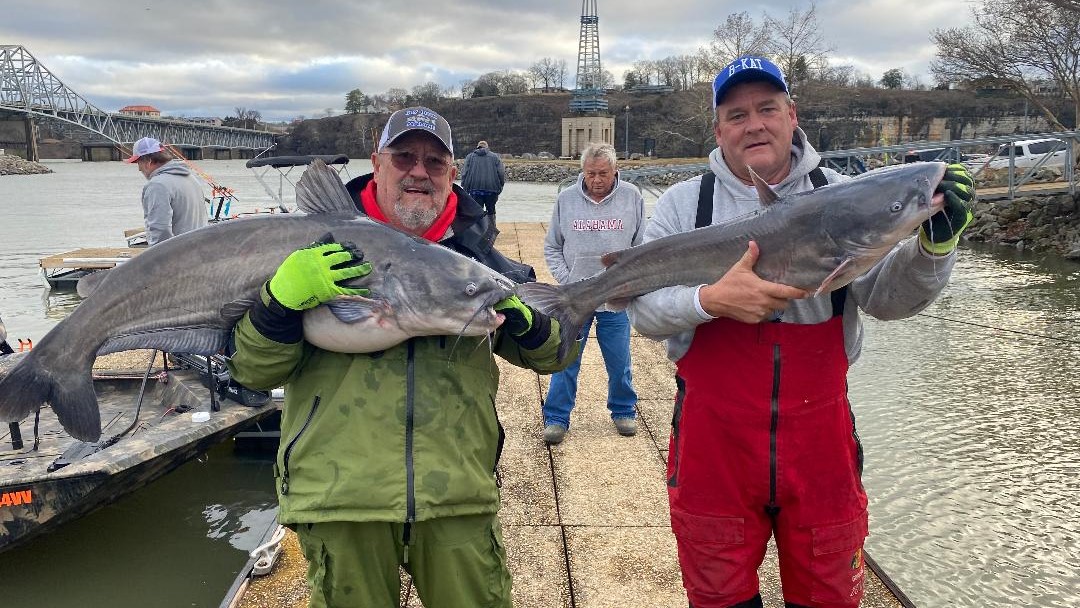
763, 442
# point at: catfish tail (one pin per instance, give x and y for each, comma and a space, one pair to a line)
561, 302
68, 389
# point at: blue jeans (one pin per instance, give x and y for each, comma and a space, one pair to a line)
613, 333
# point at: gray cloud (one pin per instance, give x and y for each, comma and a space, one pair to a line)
207, 57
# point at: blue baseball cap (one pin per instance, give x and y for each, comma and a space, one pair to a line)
745, 69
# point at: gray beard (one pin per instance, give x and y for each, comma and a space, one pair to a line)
415, 219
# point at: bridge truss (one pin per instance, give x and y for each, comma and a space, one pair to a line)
27, 87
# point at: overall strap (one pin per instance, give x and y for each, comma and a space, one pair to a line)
704, 202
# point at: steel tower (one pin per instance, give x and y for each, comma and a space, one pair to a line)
588, 95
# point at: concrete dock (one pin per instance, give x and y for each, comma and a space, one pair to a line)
586, 521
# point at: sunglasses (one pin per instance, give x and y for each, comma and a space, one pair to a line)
404, 161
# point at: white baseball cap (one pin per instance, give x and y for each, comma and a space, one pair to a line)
146, 145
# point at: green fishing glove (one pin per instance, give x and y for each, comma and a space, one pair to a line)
314, 274
519, 315
940, 234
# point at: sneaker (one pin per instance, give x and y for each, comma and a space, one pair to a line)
627, 427
554, 433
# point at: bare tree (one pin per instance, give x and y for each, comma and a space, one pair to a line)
426, 94
396, 98
548, 72
1016, 44
796, 44
737, 36
559, 74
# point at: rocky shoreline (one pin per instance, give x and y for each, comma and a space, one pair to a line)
15, 165
1048, 224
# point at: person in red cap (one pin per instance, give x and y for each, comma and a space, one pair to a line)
388, 460
763, 440
172, 199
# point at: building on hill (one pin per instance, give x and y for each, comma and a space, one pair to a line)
140, 111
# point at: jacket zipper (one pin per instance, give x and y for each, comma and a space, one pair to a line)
292, 444
676, 423
410, 415
772, 509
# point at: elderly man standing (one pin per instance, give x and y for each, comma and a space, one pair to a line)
763, 439
388, 459
599, 214
172, 200
483, 177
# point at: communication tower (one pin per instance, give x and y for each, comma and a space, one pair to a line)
588, 94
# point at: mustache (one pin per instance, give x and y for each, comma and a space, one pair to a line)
417, 184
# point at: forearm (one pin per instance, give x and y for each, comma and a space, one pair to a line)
904, 283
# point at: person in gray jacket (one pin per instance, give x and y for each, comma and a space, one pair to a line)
483, 177
172, 200
597, 215
763, 440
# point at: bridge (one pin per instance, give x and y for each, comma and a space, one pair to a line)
29, 89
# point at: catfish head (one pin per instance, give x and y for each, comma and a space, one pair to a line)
867, 216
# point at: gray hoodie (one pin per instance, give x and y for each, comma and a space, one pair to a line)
172, 202
582, 230
905, 282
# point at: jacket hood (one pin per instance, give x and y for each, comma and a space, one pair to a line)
173, 167
804, 159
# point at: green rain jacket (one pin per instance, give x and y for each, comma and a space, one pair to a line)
406, 434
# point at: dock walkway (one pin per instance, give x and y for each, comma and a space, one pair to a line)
586, 521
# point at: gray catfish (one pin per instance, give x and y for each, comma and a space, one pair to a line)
819, 241
186, 293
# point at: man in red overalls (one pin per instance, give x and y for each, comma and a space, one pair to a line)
763, 439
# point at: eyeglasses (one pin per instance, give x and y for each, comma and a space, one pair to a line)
404, 160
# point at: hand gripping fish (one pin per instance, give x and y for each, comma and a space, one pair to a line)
818, 241
185, 294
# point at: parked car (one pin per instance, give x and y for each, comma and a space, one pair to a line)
1030, 151
947, 155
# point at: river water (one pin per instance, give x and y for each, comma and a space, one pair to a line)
969, 416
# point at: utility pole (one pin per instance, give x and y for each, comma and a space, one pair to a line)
627, 138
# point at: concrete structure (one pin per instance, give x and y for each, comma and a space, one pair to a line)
580, 131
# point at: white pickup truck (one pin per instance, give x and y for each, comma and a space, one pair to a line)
1028, 152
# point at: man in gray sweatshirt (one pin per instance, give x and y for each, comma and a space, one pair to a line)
172, 200
763, 439
599, 214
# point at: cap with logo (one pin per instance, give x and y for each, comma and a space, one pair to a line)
146, 145
745, 69
416, 119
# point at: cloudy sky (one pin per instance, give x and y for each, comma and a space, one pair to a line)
292, 58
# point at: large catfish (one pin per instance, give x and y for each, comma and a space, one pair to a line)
818, 240
186, 293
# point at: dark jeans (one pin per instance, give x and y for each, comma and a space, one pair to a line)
487, 199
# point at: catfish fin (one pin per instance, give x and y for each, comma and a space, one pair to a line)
765, 192
358, 309
234, 311
320, 191
829, 280
89, 283
195, 340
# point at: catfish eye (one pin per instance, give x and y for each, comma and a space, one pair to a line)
896, 206
471, 289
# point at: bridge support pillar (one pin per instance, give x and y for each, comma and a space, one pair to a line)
100, 153
31, 138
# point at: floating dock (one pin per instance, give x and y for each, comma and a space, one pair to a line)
63, 270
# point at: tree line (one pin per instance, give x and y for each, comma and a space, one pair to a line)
1030, 47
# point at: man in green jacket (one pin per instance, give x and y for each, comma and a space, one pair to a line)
388, 459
